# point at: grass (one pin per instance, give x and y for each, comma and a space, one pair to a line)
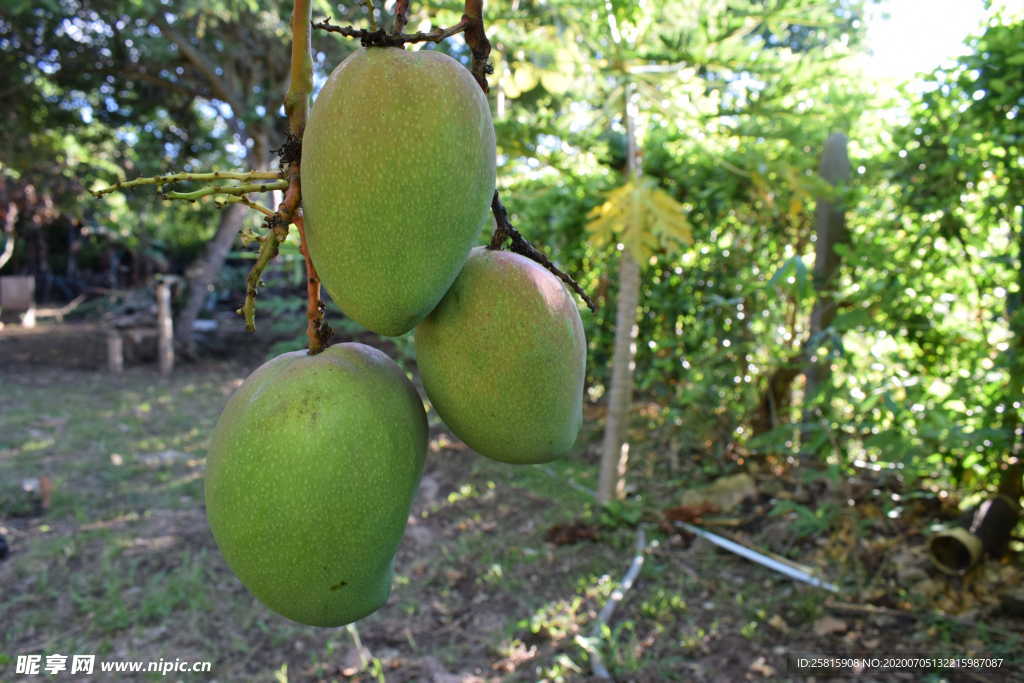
121, 563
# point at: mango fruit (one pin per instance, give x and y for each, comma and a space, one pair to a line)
398, 169
311, 472
503, 359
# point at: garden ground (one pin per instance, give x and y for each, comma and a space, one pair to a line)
501, 573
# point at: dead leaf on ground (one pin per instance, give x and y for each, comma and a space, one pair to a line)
828, 625
725, 493
691, 514
571, 533
762, 667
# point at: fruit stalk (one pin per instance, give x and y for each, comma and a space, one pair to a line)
224, 201
317, 329
480, 48
504, 230
296, 105
476, 39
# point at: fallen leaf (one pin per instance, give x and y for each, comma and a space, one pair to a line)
828, 625
928, 587
779, 623
45, 491
725, 493
690, 514
762, 667
571, 533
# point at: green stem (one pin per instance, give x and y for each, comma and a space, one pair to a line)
224, 201
171, 178
268, 250
227, 189
369, 8
300, 85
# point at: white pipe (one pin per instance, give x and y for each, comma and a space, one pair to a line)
754, 556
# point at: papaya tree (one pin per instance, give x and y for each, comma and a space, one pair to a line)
699, 81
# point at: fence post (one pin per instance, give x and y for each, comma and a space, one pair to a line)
165, 326
115, 352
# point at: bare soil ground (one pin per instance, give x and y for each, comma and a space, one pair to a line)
120, 561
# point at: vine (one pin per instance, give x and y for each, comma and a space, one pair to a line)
235, 186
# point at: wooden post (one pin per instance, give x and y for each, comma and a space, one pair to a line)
830, 230
165, 327
115, 352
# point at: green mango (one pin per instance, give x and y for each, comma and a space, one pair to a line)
503, 359
311, 472
397, 179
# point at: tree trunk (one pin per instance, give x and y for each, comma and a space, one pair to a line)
1010, 481
615, 449
830, 230
10, 217
204, 271
775, 402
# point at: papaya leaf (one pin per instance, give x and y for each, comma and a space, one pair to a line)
642, 216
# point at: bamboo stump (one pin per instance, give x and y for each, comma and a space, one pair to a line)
986, 532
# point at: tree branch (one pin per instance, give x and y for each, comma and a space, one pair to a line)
380, 38
219, 86
171, 178
300, 79
180, 88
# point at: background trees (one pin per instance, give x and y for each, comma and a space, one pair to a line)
182, 87
730, 106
